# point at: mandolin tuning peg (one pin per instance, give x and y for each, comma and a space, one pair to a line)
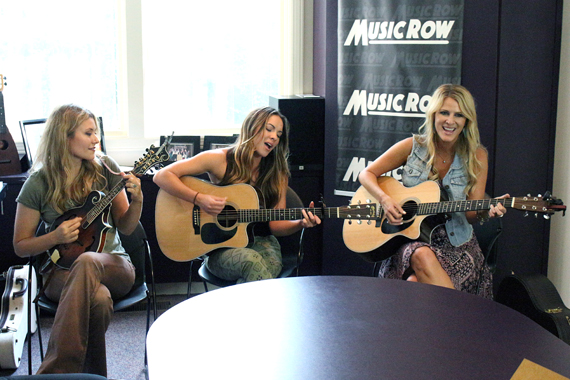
536, 215
526, 214
546, 216
539, 195
528, 195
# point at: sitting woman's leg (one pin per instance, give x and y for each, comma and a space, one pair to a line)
427, 268
261, 261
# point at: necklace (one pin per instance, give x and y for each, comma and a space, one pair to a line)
445, 161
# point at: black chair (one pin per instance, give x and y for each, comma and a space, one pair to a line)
487, 235
136, 244
291, 251
62, 376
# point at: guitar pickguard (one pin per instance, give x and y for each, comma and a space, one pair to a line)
212, 234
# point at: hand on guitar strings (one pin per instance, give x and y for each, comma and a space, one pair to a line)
133, 186
68, 231
499, 210
393, 211
210, 204
309, 219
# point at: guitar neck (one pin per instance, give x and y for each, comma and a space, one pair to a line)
461, 206
3, 127
267, 215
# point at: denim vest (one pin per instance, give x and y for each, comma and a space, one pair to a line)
416, 171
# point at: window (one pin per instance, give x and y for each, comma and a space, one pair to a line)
57, 52
207, 64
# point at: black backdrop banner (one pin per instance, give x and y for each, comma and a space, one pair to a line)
392, 55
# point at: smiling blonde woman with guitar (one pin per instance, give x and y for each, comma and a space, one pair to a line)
447, 150
258, 159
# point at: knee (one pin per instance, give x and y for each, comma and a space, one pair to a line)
102, 303
423, 258
88, 260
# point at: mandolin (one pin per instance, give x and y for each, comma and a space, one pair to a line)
376, 239
9, 158
95, 213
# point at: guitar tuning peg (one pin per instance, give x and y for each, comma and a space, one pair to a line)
528, 195
526, 214
539, 195
536, 215
546, 216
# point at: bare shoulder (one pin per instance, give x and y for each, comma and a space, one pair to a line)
210, 161
481, 153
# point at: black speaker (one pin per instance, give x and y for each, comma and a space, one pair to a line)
306, 117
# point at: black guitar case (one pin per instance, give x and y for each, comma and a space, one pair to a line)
537, 298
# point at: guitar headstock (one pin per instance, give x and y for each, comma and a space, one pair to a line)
154, 157
546, 205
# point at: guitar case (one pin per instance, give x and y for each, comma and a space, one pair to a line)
536, 297
14, 314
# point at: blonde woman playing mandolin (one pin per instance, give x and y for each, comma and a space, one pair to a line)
258, 158
446, 150
63, 176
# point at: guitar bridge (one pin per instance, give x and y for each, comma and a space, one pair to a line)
196, 220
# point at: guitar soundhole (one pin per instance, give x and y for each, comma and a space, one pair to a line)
228, 217
410, 208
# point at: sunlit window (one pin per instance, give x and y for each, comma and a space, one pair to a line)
207, 63
57, 52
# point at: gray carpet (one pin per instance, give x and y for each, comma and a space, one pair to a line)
125, 342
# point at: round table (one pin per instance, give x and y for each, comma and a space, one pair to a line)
342, 327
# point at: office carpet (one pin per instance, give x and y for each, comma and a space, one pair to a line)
125, 342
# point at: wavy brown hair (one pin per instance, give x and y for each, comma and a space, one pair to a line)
54, 158
469, 140
273, 169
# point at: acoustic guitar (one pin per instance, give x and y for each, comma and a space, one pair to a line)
185, 232
375, 239
9, 158
95, 213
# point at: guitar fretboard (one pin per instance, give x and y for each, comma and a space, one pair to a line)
458, 206
267, 215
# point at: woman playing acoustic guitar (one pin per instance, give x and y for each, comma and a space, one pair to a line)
64, 174
447, 150
258, 158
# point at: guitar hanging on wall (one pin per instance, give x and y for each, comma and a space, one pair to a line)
9, 158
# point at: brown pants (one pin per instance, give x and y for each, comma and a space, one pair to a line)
85, 293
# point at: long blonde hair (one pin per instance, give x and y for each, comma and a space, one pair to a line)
469, 140
273, 169
54, 158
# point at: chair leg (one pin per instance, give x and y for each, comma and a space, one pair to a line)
190, 275
205, 285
